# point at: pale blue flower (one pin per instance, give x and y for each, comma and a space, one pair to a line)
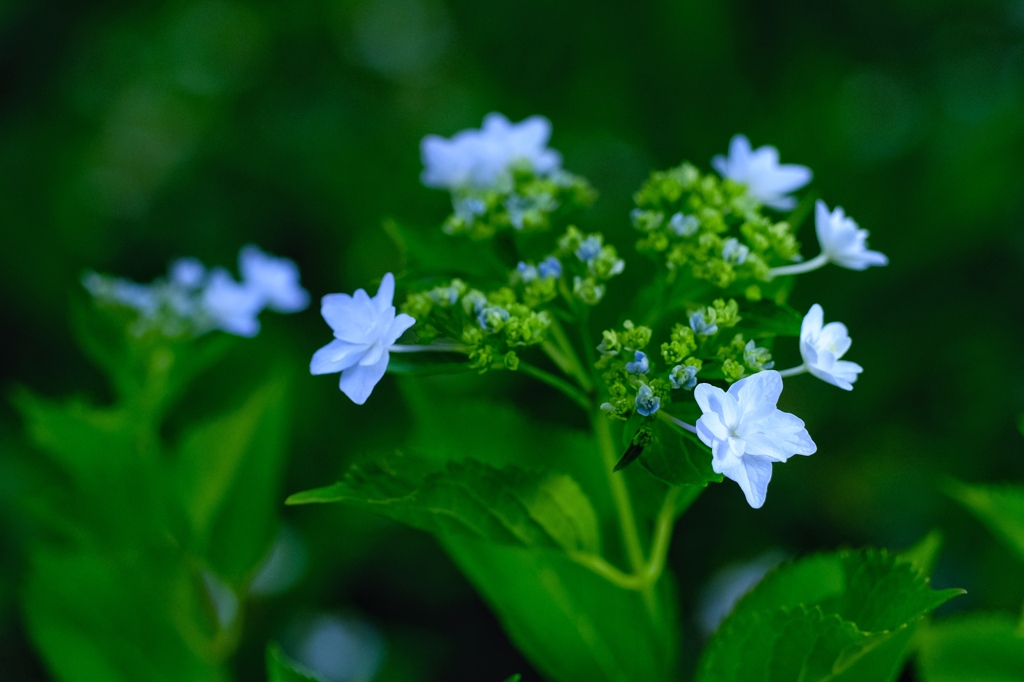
683, 376
468, 208
640, 365
646, 402
747, 432
188, 273
842, 242
822, 346
700, 326
759, 170
364, 330
733, 252
550, 268
482, 158
474, 301
230, 306
589, 249
683, 225
527, 272
757, 358
492, 318
274, 279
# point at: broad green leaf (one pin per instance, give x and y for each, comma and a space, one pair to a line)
471, 499
1000, 507
118, 618
676, 460
281, 669
108, 485
821, 618
572, 624
428, 251
228, 473
974, 648
770, 319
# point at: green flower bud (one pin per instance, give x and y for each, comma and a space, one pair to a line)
635, 337
511, 360
588, 290
732, 370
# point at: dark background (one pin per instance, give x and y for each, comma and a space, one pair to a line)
134, 133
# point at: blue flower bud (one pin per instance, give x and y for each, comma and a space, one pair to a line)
700, 326
683, 225
528, 273
733, 252
683, 376
550, 268
492, 318
641, 364
589, 249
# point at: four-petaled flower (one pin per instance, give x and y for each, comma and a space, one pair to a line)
821, 346
842, 242
700, 326
646, 402
747, 432
683, 376
481, 158
759, 170
364, 330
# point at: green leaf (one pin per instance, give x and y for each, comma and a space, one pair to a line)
427, 251
768, 318
974, 648
676, 460
228, 472
471, 499
119, 618
821, 618
514, 678
572, 624
281, 669
1000, 507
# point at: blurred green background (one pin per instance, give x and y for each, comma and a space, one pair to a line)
133, 133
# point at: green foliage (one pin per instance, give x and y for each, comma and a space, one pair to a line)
228, 472
1000, 507
572, 624
981, 647
471, 499
818, 617
280, 669
677, 460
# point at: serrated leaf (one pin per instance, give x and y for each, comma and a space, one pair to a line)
925, 553
973, 648
818, 617
676, 460
228, 472
572, 624
281, 669
510, 506
1000, 507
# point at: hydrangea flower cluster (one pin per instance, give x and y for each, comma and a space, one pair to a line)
193, 300
502, 175
712, 352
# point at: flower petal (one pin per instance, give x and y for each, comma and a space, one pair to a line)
757, 391
752, 473
336, 356
385, 293
401, 323
357, 382
813, 320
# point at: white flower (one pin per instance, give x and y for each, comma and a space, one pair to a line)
480, 158
231, 307
364, 330
766, 180
822, 346
842, 242
275, 279
746, 432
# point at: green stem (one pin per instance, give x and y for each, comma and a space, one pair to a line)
652, 569
573, 367
623, 507
556, 382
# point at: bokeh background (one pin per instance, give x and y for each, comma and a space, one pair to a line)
134, 133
